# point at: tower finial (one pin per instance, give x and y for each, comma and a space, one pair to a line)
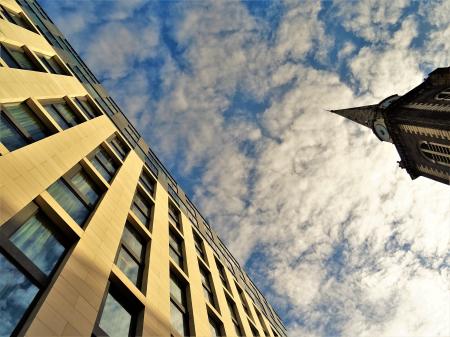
364, 115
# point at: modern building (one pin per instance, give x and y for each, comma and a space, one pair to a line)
417, 123
96, 237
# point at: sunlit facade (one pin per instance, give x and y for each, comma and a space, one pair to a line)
96, 237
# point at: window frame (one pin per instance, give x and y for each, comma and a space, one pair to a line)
28, 54
430, 154
180, 241
443, 92
49, 67
53, 103
89, 101
149, 223
94, 154
12, 15
151, 190
182, 307
175, 216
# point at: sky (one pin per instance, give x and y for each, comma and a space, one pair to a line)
232, 96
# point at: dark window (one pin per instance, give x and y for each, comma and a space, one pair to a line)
77, 194
14, 18
52, 65
243, 300
142, 208
20, 126
215, 326
118, 316
30, 250
131, 255
234, 316
179, 316
104, 163
255, 331
148, 182
222, 274
444, 95
63, 115
174, 216
86, 107
199, 246
120, 148
263, 323
437, 153
17, 58
207, 285
176, 248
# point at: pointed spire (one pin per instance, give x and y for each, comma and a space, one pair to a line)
363, 115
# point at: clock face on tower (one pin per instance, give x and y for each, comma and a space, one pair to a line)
381, 131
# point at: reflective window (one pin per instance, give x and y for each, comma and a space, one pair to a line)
14, 18
63, 115
222, 274
142, 208
179, 316
131, 254
120, 148
38, 242
86, 107
76, 193
234, 316
176, 248
17, 292
215, 327
115, 320
30, 248
207, 285
52, 65
20, 126
437, 153
148, 182
104, 163
243, 300
199, 246
16, 57
174, 215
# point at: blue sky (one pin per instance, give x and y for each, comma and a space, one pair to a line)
232, 98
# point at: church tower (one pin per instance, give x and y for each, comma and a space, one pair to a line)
418, 124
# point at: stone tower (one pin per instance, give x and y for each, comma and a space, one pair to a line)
418, 124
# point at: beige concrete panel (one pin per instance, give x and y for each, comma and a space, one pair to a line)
28, 171
241, 312
17, 85
90, 263
11, 4
20, 36
157, 310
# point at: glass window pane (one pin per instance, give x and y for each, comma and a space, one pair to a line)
141, 216
57, 69
128, 265
177, 319
132, 241
119, 147
106, 160
16, 295
27, 120
100, 168
147, 182
86, 107
215, 328
56, 116
36, 240
22, 59
142, 203
177, 258
176, 291
10, 137
115, 320
69, 201
7, 58
67, 113
86, 186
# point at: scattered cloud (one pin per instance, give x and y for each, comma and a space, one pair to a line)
334, 232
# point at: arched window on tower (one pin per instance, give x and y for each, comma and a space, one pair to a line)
444, 95
437, 153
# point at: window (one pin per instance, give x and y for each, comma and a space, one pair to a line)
263, 324
104, 163
131, 255
437, 153
118, 316
215, 326
14, 18
30, 250
76, 193
176, 248
142, 208
207, 287
148, 182
63, 115
243, 300
19, 126
179, 316
52, 65
16, 57
234, 316
255, 331
86, 107
222, 273
174, 216
199, 246
120, 148
444, 95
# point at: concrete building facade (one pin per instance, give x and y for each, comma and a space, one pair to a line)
96, 237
